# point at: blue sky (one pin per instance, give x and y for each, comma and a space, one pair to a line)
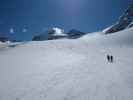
37, 15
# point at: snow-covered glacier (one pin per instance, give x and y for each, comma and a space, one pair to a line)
68, 69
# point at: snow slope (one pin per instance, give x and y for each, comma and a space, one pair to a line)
69, 69
122, 38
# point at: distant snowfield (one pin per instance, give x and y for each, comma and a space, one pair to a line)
68, 69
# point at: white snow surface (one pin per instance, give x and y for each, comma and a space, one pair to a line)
59, 32
69, 69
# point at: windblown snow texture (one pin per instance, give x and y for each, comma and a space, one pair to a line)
68, 69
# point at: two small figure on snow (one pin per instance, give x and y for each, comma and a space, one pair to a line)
110, 58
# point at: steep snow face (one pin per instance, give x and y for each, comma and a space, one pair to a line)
124, 21
69, 69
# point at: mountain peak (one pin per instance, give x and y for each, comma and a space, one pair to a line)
125, 21
57, 32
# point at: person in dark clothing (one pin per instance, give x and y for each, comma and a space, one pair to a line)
110, 58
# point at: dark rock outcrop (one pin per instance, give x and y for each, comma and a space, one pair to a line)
125, 21
57, 33
3, 39
74, 34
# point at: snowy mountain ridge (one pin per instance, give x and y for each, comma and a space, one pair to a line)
124, 38
125, 21
58, 33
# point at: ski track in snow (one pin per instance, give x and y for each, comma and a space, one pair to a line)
66, 70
